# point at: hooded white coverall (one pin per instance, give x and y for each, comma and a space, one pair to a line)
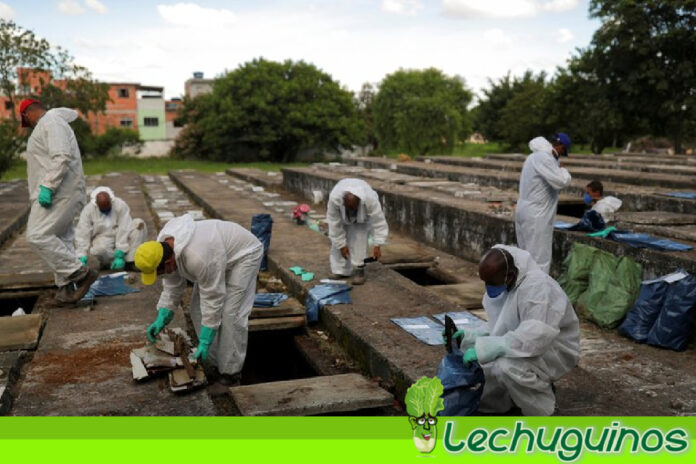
100, 234
535, 328
53, 160
540, 182
607, 206
222, 259
352, 231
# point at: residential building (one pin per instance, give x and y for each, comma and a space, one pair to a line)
171, 111
198, 85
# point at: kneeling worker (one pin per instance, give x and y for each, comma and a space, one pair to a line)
605, 206
107, 232
352, 212
222, 259
532, 338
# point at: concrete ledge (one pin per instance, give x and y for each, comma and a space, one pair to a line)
257, 176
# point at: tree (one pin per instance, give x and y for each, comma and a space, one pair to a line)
487, 112
643, 53
19, 48
422, 111
364, 107
265, 110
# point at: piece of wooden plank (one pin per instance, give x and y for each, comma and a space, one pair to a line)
19, 332
29, 280
277, 323
306, 397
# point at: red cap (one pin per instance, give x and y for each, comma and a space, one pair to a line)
23, 106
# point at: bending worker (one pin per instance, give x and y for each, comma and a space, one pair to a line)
57, 194
107, 232
222, 259
541, 180
532, 338
353, 212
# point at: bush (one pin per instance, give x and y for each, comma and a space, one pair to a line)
12, 142
111, 142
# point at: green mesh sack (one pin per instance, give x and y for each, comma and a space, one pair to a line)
613, 288
576, 271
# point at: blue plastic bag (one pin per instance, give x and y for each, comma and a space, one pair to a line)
591, 221
642, 240
268, 300
674, 325
325, 294
109, 285
642, 316
261, 227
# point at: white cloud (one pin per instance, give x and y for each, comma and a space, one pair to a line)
70, 7
6, 11
504, 8
564, 36
497, 37
402, 7
96, 6
193, 15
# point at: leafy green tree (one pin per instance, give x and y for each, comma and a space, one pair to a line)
421, 111
643, 54
364, 107
265, 110
487, 113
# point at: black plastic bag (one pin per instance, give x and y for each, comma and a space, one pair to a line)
642, 316
261, 227
591, 221
462, 384
675, 322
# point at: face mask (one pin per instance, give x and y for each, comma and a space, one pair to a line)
108, 211
495, 291
587, 199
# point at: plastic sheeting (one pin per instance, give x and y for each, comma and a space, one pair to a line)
688, 195
462, 384
261, 227
464, 320
109, 285
424, 329
674, 324
269, 300
326, 294
591, 221
644, 312
648, 241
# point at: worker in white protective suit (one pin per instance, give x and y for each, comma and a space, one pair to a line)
532, 337
222, 259
541, 180
605, 206
353, 212
57, 193
107, 232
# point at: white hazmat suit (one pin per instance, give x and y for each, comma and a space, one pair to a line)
100, 234
540, 182
353, 230
607, 206
222, 259
53, 160
532, 339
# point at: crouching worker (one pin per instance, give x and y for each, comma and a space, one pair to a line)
352, 213
107, 232
222, 260
605, 206
532, 338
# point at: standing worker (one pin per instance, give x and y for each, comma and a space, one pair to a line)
222, 259
532, 338
541, 180
57, 193
352, 212
107, 232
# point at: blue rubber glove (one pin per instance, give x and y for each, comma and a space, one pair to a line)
118, 263
83, 260
204, 340
164, 317
470, 356
458, 333
45, 196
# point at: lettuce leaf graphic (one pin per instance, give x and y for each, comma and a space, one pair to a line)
424, 397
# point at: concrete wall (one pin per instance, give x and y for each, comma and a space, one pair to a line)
469, 232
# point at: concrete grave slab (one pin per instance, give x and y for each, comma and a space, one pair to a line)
20, 332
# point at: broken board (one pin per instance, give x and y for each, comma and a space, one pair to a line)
289, 307
307, 397
29, 280
467, 295
19, 332
277, 323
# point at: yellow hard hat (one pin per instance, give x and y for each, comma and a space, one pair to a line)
147, 258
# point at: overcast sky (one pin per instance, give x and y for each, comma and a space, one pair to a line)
162, 42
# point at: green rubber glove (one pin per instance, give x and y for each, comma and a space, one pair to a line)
470, 356
45, 194
164, 317
83, 260
118, 263
458, 333
204, 340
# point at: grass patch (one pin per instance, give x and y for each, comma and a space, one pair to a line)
468, 150
149, 166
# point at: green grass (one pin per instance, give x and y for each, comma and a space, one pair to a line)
149, 166
470, 150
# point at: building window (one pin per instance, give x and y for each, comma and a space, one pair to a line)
123, 93
8, 105
151, 122
126, 122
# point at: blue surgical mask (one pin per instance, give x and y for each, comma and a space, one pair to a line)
495, 291
587, 199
